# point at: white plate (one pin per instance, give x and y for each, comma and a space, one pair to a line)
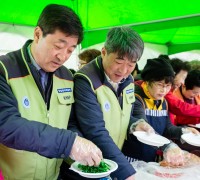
113, 167
192, 139
197, 125
151, 139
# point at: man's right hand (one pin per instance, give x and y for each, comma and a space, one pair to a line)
144, 126
86, 152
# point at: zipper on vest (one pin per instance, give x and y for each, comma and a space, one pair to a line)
48, 115
119, 137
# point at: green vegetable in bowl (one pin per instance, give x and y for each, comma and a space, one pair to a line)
103, 167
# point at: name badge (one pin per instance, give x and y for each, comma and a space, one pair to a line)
64, 90
128, 91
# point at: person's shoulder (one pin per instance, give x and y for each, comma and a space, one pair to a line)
64, 71
72, 71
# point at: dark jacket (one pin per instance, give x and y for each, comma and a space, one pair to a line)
90, 117
42, 138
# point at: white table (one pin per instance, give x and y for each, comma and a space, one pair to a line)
152, 171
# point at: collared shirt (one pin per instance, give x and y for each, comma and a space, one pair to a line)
114, 84
43, 74
32, 59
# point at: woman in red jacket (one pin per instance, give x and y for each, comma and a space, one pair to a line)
176, 106
189, 93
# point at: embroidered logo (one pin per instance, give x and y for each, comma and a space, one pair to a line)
107, 106
131, 97
26, 102
63, 90
66, 97
129, 91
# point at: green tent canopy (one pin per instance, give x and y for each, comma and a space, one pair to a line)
173, 23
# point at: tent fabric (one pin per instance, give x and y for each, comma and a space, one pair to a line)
173, 23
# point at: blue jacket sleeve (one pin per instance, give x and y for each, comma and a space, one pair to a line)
73, 124
172, 131
22, 134
90, 118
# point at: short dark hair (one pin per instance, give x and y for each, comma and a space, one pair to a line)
124, 41
89, 54
59, 17
192, 79
179, 65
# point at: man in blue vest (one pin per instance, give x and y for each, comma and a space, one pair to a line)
104, 96
36, 96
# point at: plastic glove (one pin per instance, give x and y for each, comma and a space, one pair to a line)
174, 155
86, 152
141, 125
190, 129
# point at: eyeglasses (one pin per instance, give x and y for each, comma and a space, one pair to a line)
162, 85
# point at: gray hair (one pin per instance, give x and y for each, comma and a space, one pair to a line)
124, 41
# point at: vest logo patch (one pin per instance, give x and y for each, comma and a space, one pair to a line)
66, 97
63, 90
26, 102
129, 91
107, 106
131, 97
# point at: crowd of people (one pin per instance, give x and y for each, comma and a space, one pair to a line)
52, 116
